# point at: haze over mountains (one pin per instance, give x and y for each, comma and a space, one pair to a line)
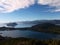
31, 23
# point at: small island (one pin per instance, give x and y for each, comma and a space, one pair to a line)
44, 27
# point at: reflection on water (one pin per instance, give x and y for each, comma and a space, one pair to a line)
28, 34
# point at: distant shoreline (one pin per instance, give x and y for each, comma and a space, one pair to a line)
31, 29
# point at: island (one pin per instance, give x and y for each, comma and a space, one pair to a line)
44, 27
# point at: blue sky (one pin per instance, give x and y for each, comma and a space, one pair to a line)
33, 12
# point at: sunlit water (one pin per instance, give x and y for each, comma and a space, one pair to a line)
18, 25
29, 34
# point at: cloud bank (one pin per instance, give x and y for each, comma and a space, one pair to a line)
51, 3
7, 6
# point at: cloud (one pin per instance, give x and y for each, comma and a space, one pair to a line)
7, 6
51, 3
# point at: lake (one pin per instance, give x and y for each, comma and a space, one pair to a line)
29, 34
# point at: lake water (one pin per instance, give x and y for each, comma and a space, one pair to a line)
29, 34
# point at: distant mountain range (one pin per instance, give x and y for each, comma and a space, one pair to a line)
41, 21
49, 26
31, 23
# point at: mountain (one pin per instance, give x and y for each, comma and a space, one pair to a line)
52, 26
43, 26
47, 27
32, 23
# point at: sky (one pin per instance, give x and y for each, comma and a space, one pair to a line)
28, 10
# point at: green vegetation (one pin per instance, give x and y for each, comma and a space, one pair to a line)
44, 27
47, 27
29, 41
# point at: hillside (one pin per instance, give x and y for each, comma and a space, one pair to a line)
46, 27
29, 41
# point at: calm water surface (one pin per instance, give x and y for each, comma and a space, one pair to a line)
29, 34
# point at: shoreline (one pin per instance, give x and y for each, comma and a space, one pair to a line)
31, 29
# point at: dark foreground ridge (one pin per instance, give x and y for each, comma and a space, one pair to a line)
27, 41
